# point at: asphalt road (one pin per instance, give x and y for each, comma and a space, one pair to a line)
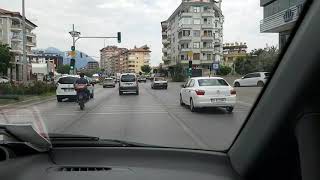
154, 117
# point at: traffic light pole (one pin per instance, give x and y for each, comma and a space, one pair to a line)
76, 36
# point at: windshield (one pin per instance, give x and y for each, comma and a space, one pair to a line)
128, 78
159, 79
201, 48
212, 82
67, 80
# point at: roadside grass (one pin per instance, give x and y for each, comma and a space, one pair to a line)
5, 100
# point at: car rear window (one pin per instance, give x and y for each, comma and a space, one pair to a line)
108, 80
159, 79
212, 82
67, 80
128, 78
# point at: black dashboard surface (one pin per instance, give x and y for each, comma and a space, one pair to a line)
119, 164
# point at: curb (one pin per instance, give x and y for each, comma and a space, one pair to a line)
49, 98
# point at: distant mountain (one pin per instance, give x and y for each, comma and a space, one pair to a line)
82, 58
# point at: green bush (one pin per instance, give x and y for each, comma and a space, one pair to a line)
36, 88
224, 70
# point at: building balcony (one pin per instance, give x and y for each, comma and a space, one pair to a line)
186, 49
207, 49
207, 38
16, 27
31, 35
186, 26
207, 26
208, 14
185, 38
165, 41
206, 61
16, 38
164, 33
164, 49
281, 21
31, 44
186, 14
194, 62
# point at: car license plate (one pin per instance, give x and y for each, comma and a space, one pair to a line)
68, 90
213, 100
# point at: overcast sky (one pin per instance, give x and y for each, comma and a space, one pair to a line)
138, 20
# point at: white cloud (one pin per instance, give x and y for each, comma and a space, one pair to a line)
138, 20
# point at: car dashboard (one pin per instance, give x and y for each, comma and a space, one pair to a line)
90, 163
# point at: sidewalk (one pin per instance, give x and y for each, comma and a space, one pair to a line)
6, 103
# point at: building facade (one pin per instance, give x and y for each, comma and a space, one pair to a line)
11, 34
92, 65
193, 32
280, 16
138, 57
232, 51
106, 61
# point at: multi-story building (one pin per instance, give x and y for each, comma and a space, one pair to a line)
232, 51
105, 58
92, 65
137, 58
280, 16
11, 34
38, 56
193, 32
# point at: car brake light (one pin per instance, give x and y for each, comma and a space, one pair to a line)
233, 92
200, 92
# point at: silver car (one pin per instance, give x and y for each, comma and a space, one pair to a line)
109, 82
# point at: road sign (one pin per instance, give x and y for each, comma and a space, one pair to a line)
215, 66
72, 54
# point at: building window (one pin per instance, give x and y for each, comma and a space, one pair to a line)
196, 9
216, 24
196, 56
196, 45
186, 20
1, 32
207, 33
1, 21
207, 45
184, 45
196, 21
196, 33
207, 21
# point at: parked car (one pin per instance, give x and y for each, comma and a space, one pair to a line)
109, 82
128, 83
65, 87
252, 79
202, 92
4, 79
142, 79
159, 82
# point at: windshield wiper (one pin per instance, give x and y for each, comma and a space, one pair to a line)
66, 140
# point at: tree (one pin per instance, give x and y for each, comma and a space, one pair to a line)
64, 69
146, 69
5, 58
257, 60
224, 70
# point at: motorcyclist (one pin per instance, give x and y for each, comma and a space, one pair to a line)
82, 81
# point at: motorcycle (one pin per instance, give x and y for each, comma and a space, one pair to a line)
82, 95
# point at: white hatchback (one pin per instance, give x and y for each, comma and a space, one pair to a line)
65, 87
208, 92
252, 79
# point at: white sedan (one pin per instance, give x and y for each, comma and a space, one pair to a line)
208, 92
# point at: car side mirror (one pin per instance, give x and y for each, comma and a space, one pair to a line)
183, 85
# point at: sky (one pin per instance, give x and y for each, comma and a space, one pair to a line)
138, 20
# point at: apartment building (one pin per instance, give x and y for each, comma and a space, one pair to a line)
138, 57
280, 16
232, 51
11, 34
193, 32
92, 65
105, 58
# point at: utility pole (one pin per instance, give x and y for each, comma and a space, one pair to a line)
24, 58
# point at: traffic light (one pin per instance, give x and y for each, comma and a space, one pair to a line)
73, 48
190, 64
72, 64
119, 37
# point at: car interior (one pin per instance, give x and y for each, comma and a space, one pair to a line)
279, 140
